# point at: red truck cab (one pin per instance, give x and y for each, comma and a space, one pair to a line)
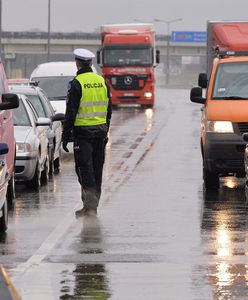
128, 59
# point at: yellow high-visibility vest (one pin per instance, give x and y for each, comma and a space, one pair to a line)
94, 101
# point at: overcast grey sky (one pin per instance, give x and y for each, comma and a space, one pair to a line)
87, 16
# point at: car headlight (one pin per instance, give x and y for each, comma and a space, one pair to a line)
220, 126
23, 147
148, 95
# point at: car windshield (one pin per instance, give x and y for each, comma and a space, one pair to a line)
231, 81
54, 87
124, 55
36, 101
20, 115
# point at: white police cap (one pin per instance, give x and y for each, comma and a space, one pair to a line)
83, 54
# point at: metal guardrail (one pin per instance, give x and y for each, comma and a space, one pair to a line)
7, 290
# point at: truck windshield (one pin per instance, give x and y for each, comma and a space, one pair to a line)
54, 87
127, 56
231, 81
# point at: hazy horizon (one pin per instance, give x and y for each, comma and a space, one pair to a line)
78, 15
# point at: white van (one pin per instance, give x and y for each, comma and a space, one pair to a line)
53, 78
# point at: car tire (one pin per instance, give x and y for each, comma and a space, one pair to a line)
35, 182
4, 218
211, 180
45, 172
51, 165
56, 165
11, 191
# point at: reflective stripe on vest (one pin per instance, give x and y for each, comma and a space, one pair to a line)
94, 101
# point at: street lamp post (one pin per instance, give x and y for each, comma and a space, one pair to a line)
49, 30
168, 45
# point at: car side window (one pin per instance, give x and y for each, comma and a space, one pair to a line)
33, 111
20, 115
37, 104
47, 103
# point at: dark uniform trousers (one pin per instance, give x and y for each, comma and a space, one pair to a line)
89, 154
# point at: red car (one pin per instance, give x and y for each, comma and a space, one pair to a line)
7, 148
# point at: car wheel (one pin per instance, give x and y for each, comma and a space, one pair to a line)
11, 191
211, 180
56, 165
51, 164
4, 217
45, 172
35, 182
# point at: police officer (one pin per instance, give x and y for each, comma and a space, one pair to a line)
88, 114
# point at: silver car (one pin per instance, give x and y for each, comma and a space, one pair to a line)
44, 108
32, 161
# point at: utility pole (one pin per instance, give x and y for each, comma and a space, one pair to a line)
48, 30
167, 80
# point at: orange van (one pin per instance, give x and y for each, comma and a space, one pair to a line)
225, 103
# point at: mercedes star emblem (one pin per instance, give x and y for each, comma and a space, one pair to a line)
128, 80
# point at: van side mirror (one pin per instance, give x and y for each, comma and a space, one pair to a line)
98, 56
196, 95
157, 56
9, 101
203, 80
4, 148
58, 117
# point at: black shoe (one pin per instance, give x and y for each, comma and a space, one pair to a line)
85, 211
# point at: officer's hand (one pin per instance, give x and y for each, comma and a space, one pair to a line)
64, 145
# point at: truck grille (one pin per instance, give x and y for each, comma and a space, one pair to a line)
243, 127
127, 82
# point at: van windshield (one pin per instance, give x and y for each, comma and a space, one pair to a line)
231, 81
54, 87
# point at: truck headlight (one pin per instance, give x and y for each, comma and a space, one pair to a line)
148, 95
23, 147
220, 126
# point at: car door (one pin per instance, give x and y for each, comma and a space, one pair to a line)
41, 132
56, 125
7, 127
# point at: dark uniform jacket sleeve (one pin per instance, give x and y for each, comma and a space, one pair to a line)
109, 112
72, 105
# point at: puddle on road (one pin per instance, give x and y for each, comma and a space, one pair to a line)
225, 239
88, 281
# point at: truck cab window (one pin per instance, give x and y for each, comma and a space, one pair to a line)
128, 56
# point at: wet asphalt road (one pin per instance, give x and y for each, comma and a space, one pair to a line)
157, 235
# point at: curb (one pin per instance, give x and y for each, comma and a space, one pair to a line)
7, 290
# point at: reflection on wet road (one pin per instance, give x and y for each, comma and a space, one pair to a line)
157, 235
224, 234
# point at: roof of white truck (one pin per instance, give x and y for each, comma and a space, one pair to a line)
56, 68
127, 28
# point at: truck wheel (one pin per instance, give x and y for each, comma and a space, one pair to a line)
11, 191
211, 180
4, 218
